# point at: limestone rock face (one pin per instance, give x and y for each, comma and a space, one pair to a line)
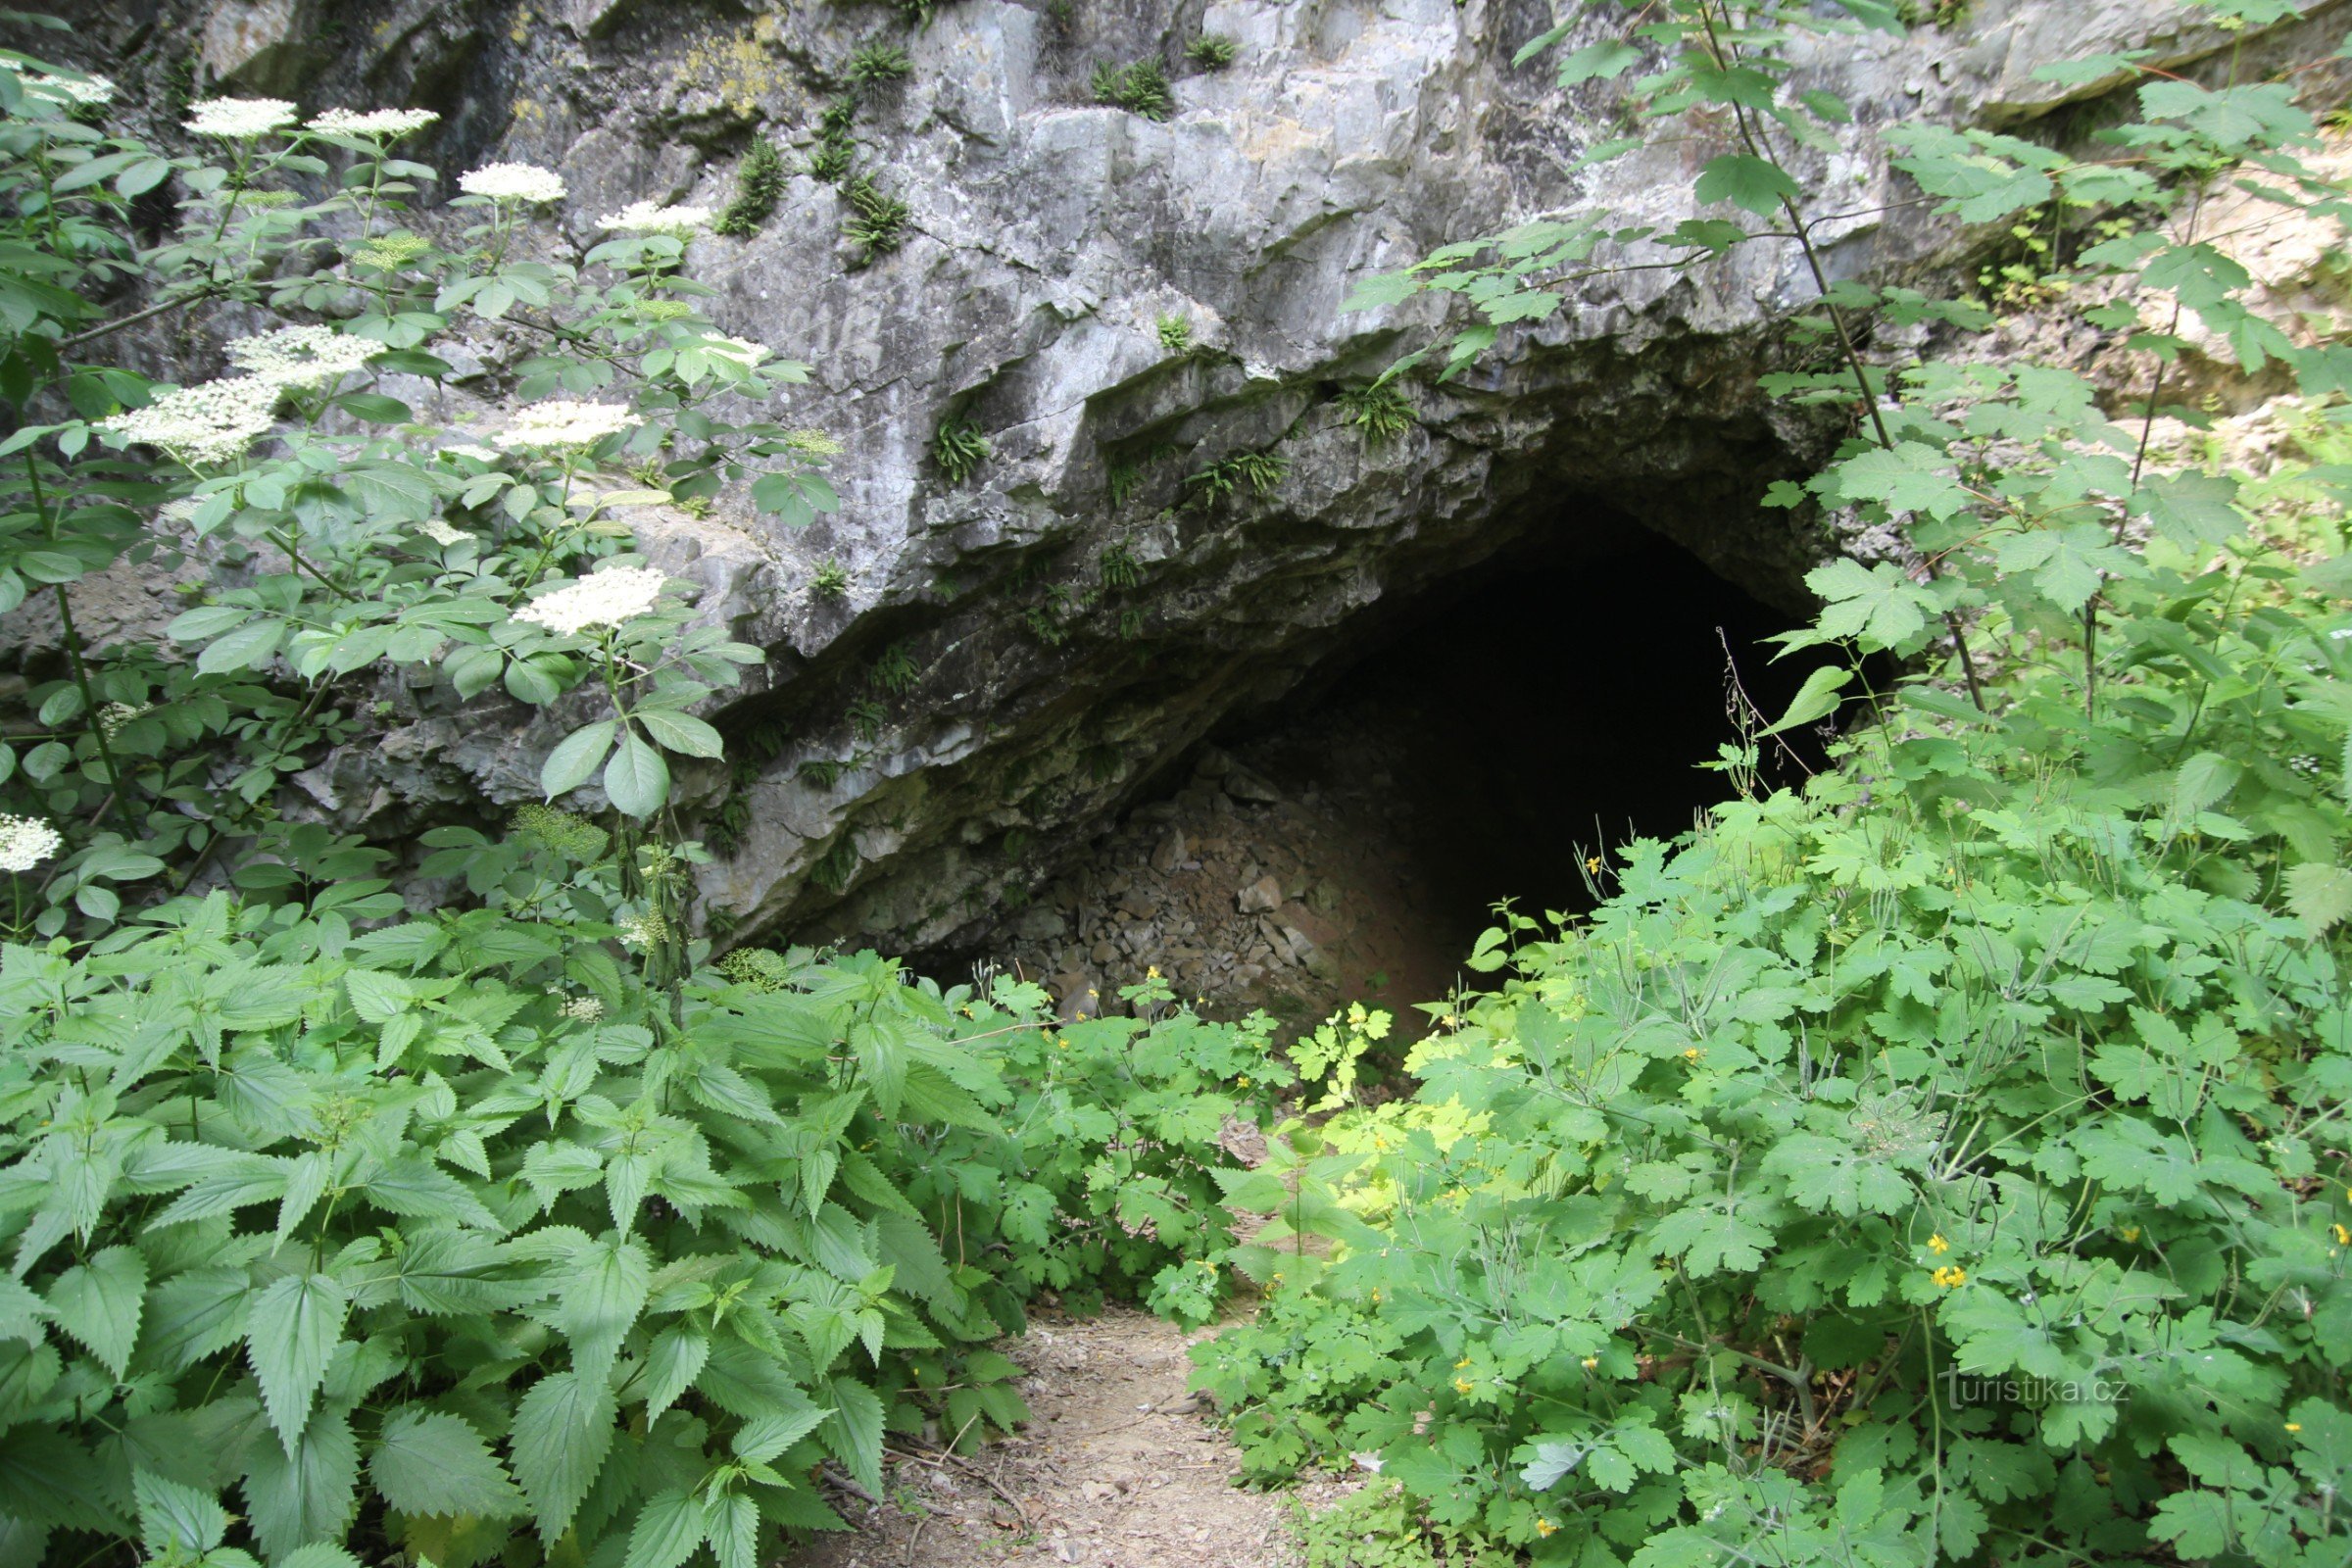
1077, 614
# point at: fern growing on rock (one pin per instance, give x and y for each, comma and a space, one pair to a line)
876, 223
1140, 88
958, 449
759, 186
1212, 51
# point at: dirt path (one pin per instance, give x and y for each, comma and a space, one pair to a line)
1118, 1468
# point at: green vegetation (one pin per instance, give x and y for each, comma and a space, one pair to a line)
876, 223
1121, 571
516, 1231
835, 151
894, 671
958, 448
1212, 51
831, 580
1936, 1163
1255, 471
759, 185
877, 65
1380, 411
1140, 88
1175, 334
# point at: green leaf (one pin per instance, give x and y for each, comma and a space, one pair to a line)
680, 732
734, 1529
2192, 510
668, 1528
2320, 896
306, 1493
1878, 604
290, 1332
671, 1365
563, 1431
99, 1303
375, 408
1597, 61
636, 780
604, 1287
428, 1462
575, 758
173, 1518
1755, 184
1816, 699
248, 645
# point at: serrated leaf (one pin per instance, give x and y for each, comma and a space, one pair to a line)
604, 1287
290, 1332
304, 1493
2320, 896
99, 1303
428, 1462
671, 1365
680, 732
1755, 184
563, 1431
176, 1518
668, 1528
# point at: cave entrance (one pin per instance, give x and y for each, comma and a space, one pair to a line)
1485, 740
1474, 743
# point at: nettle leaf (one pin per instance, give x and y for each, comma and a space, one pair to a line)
99, 1303
291, 1329
562, 1430
605, 1286
306, 1491
1755, 184
668, 1528
176, 1519
671, 1365
428, 1462
2319, 895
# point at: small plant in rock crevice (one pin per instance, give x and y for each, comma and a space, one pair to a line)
1255, 471
876, 223
823, 773
894, 671
1120, 570
1175, 334
760, 183
867, 718
1380, 411
835, 868
878, 65
958, 449
836, 152
830, 580
1212, 51
1141, 87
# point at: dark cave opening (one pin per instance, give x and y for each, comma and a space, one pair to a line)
1470, 743
1538, 709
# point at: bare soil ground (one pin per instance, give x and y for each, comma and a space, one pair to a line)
1120, 1467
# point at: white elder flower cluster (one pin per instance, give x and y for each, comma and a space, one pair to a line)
114, 716
303, 356
25, 842
239, 119
644, 930
737, 351
441, 533
564, 423
583, 1009
513, 182
372, 121
607, 599
202, 425
76, 91
644, 218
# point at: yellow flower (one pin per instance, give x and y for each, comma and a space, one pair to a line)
1693, 1054
2343, 1237
1462, 1385
1243, 1081
1151, 971
1544, 1527
1938, 1245
2294, 1426
1948, 1276
1376, 1298
1592, 865
1463, 1362
1591, 1362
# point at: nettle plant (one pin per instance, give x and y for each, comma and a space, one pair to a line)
1941, 1162
514, 1231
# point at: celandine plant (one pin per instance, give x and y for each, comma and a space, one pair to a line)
513, 1232
1944, 1161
